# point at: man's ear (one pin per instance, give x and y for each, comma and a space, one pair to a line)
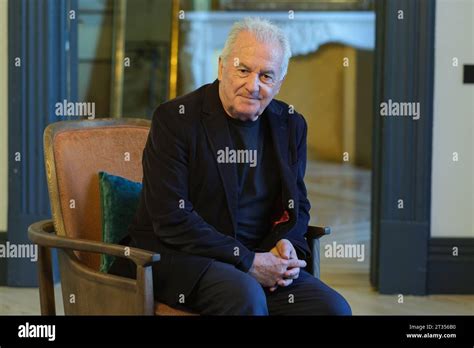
219, 68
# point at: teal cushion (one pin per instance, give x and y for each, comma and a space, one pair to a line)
119, 201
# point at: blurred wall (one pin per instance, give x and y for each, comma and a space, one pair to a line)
314, 85
147, 44
452, 199
364, 108
149, 20
95, 24
3, 114
336, 101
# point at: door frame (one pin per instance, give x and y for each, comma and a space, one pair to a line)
405, 258
402, 147
42, 56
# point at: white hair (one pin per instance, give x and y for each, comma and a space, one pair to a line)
264, 31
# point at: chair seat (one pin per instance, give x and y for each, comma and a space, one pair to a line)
164, 309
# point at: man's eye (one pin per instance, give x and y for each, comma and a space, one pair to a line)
242, 70
267, 77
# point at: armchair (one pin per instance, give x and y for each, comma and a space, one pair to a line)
75, 151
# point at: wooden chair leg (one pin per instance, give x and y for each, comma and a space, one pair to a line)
46, 284
145, 290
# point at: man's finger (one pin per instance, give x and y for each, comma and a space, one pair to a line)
285, 251
275, 252
293, 254
296, 263
292, 273
284, 282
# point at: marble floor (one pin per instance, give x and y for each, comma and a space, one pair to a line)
340, 198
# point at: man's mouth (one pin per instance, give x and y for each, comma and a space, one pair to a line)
250, 98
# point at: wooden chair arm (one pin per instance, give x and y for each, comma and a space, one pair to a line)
316, 232
136, 295
42, 233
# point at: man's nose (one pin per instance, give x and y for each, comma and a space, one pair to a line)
252, 84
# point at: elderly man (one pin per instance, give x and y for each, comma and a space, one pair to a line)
223, 199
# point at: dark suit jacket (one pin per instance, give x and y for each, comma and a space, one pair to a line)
189, 200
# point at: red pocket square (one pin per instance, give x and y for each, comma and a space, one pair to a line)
284, 218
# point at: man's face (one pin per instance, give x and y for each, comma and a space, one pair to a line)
250, 78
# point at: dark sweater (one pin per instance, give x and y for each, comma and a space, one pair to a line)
259, 187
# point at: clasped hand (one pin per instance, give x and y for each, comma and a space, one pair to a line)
279, 267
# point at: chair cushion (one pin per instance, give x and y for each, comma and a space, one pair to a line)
119, 199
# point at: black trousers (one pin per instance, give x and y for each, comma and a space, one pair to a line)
225, 290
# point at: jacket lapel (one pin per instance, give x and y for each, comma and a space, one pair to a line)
217, 131
280, 131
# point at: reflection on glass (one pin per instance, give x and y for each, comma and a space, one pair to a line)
144, 60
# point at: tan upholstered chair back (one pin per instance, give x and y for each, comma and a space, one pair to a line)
75, 152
